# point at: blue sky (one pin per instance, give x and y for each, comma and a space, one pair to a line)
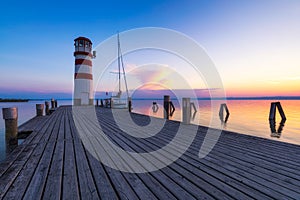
254, 44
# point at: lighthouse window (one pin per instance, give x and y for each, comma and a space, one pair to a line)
76, 43
81, 43
86, 44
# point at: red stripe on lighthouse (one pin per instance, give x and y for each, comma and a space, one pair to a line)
83, 76
83, 62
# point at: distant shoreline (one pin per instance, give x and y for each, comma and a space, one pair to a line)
13, 100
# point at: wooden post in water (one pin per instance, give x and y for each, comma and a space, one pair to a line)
97, 102
272, 113
186, 110
166, 106
221, 112
52, 103
47, 110
129, 104
55, 103
154, 107
39, 109
10, 115
280, 111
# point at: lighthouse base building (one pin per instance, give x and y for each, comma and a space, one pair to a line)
83, 77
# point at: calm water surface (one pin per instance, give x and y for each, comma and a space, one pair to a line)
246, 117
249, 117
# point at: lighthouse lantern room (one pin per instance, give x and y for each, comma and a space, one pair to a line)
83, 76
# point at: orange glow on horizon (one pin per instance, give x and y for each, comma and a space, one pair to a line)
256, 89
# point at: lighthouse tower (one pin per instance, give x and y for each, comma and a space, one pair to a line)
83, 77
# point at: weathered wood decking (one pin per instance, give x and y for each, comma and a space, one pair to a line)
52, 163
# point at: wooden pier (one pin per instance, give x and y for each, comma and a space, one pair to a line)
52, 163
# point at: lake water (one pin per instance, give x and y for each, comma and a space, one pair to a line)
246, 117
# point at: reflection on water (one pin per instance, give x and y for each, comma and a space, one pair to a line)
277, 133
246, 116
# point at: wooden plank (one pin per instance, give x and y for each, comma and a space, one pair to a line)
174, 182
289, 192
261, 180
53, 185
189, 176
37, 183
23, 174
118, 179
168, 183
70, 189
86, 182
52, 163
102, 181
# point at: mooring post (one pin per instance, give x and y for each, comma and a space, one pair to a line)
55, 103
129, 104
272, 113
39, 109
10, 115
154, 107
52, 103
97, 102
47, 110
280, 110
166, 106
186, 110
101, 103
223, 107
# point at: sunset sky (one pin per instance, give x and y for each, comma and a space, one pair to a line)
254, 44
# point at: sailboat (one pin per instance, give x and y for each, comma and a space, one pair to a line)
116, 100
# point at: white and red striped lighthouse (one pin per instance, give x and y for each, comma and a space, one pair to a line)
83, 77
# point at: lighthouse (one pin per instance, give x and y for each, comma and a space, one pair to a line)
83, 76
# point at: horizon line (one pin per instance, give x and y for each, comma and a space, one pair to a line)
199, 98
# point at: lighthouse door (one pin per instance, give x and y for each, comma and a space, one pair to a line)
84, 98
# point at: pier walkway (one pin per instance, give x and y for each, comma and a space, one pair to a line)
52, 163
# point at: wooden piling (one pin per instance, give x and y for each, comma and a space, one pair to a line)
129, 104
280, 110
186, 110
223, 107
97, 102
272, 113
55, 103
10, 115
154, 107
39, 109
47, 109
52, 103
166, 106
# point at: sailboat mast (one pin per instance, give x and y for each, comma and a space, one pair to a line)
119, 62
